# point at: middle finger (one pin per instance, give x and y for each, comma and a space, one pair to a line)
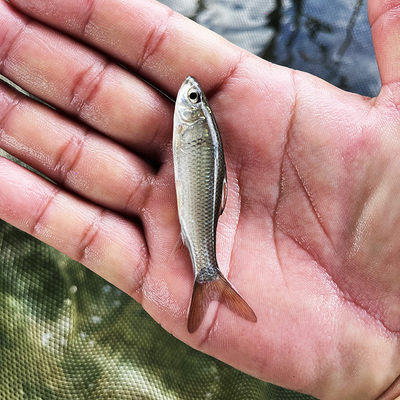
85, 162
82, 82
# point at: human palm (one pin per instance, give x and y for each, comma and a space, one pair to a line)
309, 234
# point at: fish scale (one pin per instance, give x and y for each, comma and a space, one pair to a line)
197, 165
200, 178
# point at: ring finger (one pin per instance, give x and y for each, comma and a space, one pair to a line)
82, 160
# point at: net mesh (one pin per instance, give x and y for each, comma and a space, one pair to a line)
65, 333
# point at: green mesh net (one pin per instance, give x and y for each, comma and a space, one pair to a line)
65, 333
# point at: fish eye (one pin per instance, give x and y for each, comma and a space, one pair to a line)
193, 96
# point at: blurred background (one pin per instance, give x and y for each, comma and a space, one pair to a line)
67, 334
330, 39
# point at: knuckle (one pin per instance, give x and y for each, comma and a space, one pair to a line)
155, 37
87, 14
38, 219
139, 194
140, 272
88, 237
7, 107
86, 84
69, 157
9, 39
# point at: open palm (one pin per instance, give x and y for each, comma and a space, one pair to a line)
309, 235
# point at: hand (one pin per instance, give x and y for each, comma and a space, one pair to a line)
310, 233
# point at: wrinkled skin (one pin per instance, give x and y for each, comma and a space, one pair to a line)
310, 233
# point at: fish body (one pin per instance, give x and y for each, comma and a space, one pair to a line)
200, 181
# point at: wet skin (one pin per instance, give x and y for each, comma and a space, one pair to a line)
310, 233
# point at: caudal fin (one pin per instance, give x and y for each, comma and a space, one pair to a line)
221, 290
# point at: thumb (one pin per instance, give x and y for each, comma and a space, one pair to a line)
384, 17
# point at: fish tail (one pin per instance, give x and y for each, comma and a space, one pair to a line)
221, 290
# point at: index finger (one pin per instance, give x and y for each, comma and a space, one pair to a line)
161, 45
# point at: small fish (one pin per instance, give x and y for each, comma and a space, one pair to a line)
201, 189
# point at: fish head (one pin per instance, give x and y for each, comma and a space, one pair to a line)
190, 101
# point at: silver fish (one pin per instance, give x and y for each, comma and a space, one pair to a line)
201, 189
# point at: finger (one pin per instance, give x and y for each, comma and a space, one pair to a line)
160, 44
81, 82
87, 163
392, 392
384, 17
104, 242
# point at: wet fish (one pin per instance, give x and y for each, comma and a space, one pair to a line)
201, 189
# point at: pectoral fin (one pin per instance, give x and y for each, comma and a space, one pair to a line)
224, 196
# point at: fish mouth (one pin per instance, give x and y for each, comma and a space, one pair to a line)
191, 81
